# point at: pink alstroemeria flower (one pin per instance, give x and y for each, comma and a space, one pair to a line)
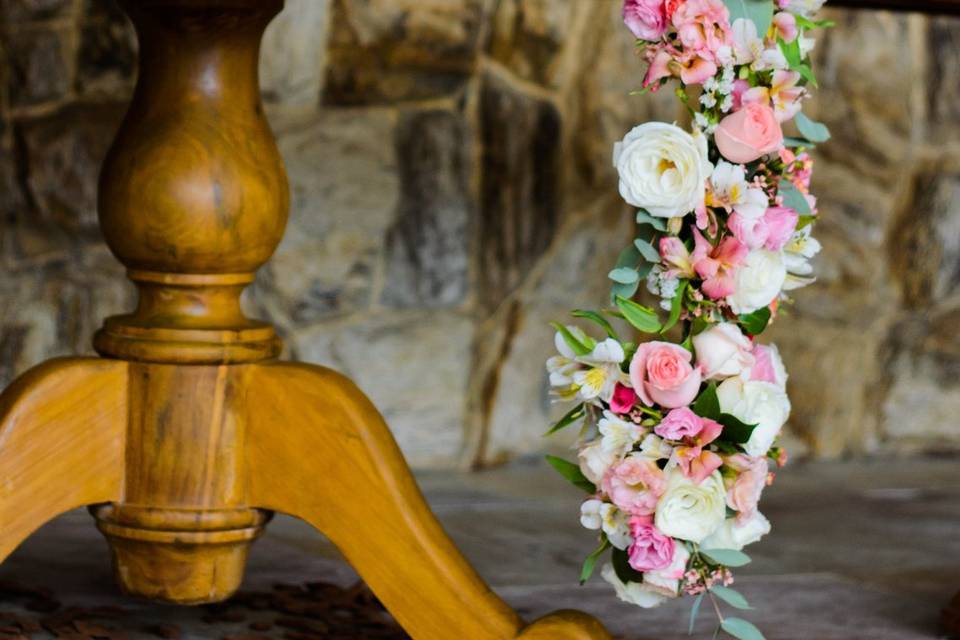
783, 94
695, 462
674, 253
716, 265
660, 62
786, 25
696, 67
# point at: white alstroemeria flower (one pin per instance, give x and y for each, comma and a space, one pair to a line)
562, 367
732, 191
595, 461
597, 514
747, 44
603, 372
633, 592
806, 45
653, 446
805, 8
796, 257
619, 436
770, 59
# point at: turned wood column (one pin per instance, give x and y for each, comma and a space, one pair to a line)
193, 199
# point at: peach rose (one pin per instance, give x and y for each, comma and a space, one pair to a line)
748, 134
662, 373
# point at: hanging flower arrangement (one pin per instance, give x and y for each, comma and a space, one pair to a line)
678, 432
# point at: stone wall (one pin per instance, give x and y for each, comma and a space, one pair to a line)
452, 193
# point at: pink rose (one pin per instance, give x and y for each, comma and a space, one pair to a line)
744, 494
703, 26
749, 134
646, 19
623, 399
752, 232
661, 373
722, 351
767, 365
651, 550
635, 485
679, 424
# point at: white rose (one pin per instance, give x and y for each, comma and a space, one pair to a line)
736, 535
595, 460
662, 168
754, 402
691, 511
634, 592
757, 281
722, 351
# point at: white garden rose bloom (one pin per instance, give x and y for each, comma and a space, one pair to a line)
736, 535
691, 511
595, 460
634, 592
662, 168
753, 402
758, 281
722, 351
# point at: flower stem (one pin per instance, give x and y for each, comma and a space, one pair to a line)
716, 607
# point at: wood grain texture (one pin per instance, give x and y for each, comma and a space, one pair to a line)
62, 432
319, 450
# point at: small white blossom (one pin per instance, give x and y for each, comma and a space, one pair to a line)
708, 100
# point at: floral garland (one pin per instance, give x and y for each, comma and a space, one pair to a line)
677, 435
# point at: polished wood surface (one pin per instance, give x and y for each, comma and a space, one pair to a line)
187, 435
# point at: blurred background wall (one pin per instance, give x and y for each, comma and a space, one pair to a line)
452, 192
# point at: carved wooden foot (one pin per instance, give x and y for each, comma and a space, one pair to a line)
319, 450
62, 427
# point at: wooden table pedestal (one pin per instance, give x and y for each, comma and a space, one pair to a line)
187, 433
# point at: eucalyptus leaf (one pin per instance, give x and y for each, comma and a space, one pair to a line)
578, 347
569, 418
759, 11
793, 198
623, 291
730, 596
591, 560
647, 250
598, 319
754, 323
624, 275
694, 610
640, 317
741, 629
810, 129
643, 217
797, 142
708, 404
572, 473
726, 557
629, 257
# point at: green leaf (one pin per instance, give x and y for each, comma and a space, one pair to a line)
593, 316
569, 418
621, 564
642, 318
754, 323
643, 217
797, 142
647, 250
810, 129
623, 291
591, 560
578, 347
791, 51
726, 557
708, 404
734, 430
676, 306
730, 596
741, 629
793, 198
759, 11
807, 23
693, 613
808, 74
804, 221
624, 275
572, 473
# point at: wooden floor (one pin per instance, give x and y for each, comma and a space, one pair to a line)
865, 551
